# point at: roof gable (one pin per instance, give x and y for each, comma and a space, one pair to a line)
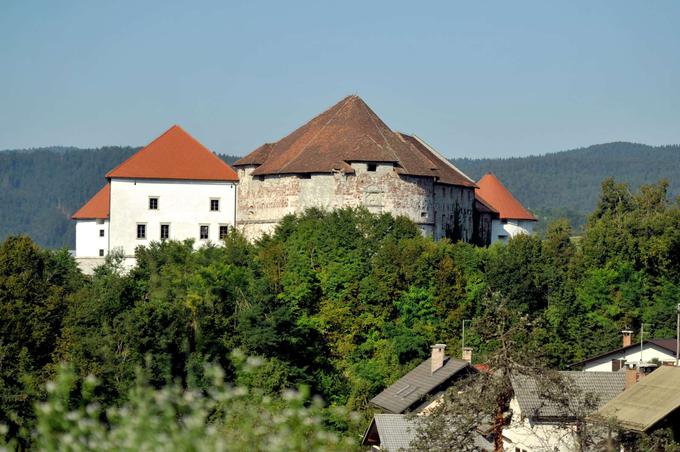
347, 132
174, 155
494, 193
664, 344
417, 384
97, 207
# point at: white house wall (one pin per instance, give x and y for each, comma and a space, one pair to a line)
525, 435
649, 353
511, 228
184, 205
89, 240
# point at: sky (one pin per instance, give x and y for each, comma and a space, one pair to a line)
474, 79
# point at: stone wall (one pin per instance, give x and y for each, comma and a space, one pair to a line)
263, 201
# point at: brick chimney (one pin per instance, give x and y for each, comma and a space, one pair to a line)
437, 360
467, 354
631, 376
627, 337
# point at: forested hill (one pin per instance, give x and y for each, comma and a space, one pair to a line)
41, 188
567, 183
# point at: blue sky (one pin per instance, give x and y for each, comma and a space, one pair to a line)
475, 79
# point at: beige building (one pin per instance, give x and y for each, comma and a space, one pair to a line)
348, 157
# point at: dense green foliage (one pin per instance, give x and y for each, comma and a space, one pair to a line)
41, 188
566, 184
344, 302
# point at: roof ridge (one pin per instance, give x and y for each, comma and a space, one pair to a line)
370, 115
146, 146
345, 102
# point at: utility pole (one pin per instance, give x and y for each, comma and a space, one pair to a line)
462, 349
642, 335
677, 339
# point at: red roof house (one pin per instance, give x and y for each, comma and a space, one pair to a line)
494, 194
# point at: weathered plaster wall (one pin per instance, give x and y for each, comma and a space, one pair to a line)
263, 201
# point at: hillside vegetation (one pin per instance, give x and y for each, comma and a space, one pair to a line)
341, 302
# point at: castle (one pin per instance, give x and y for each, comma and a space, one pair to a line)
176, 188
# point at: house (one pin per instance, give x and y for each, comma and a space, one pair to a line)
173, 188
416, 393
658, 351
421, 387
512, 219
396, 432
541, 423
650, 404
348, 157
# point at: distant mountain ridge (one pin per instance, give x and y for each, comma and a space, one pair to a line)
41, 188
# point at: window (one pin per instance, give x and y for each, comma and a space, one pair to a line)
141, 231
616, 364
153, 203
204, 232
305, 176
224, 230
101, 253
214, 205
165, 231
101, 233
371, 167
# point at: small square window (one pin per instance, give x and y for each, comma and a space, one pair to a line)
165, 231
153, 203
101, 233
204, 232
141, 231
224, 230
101, 253
305, 176
214, 205
371, 167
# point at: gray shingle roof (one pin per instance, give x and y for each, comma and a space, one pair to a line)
415, 385
603, 386
397, 431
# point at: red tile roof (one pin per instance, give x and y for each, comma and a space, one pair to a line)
347, 132
174, 155
494, 193
97, 207
483, 205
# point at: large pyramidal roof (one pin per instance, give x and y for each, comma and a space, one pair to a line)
493, 192
174, 155
347, 132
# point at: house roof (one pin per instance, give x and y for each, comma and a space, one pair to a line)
647, 402
97, 207
602, 385
395, 432
666, 344
494, 193
174, 155
483, 206
417, 384
445, 171
347, 132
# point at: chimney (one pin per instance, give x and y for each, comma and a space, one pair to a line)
437, 360
631, 375
627, 337
467, 354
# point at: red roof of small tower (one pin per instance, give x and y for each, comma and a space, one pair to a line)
174, 155
97, 207
493, 192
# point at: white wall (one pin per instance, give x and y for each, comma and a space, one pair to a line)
649, 352
533, 437
510, 229
184, 205
88, 239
